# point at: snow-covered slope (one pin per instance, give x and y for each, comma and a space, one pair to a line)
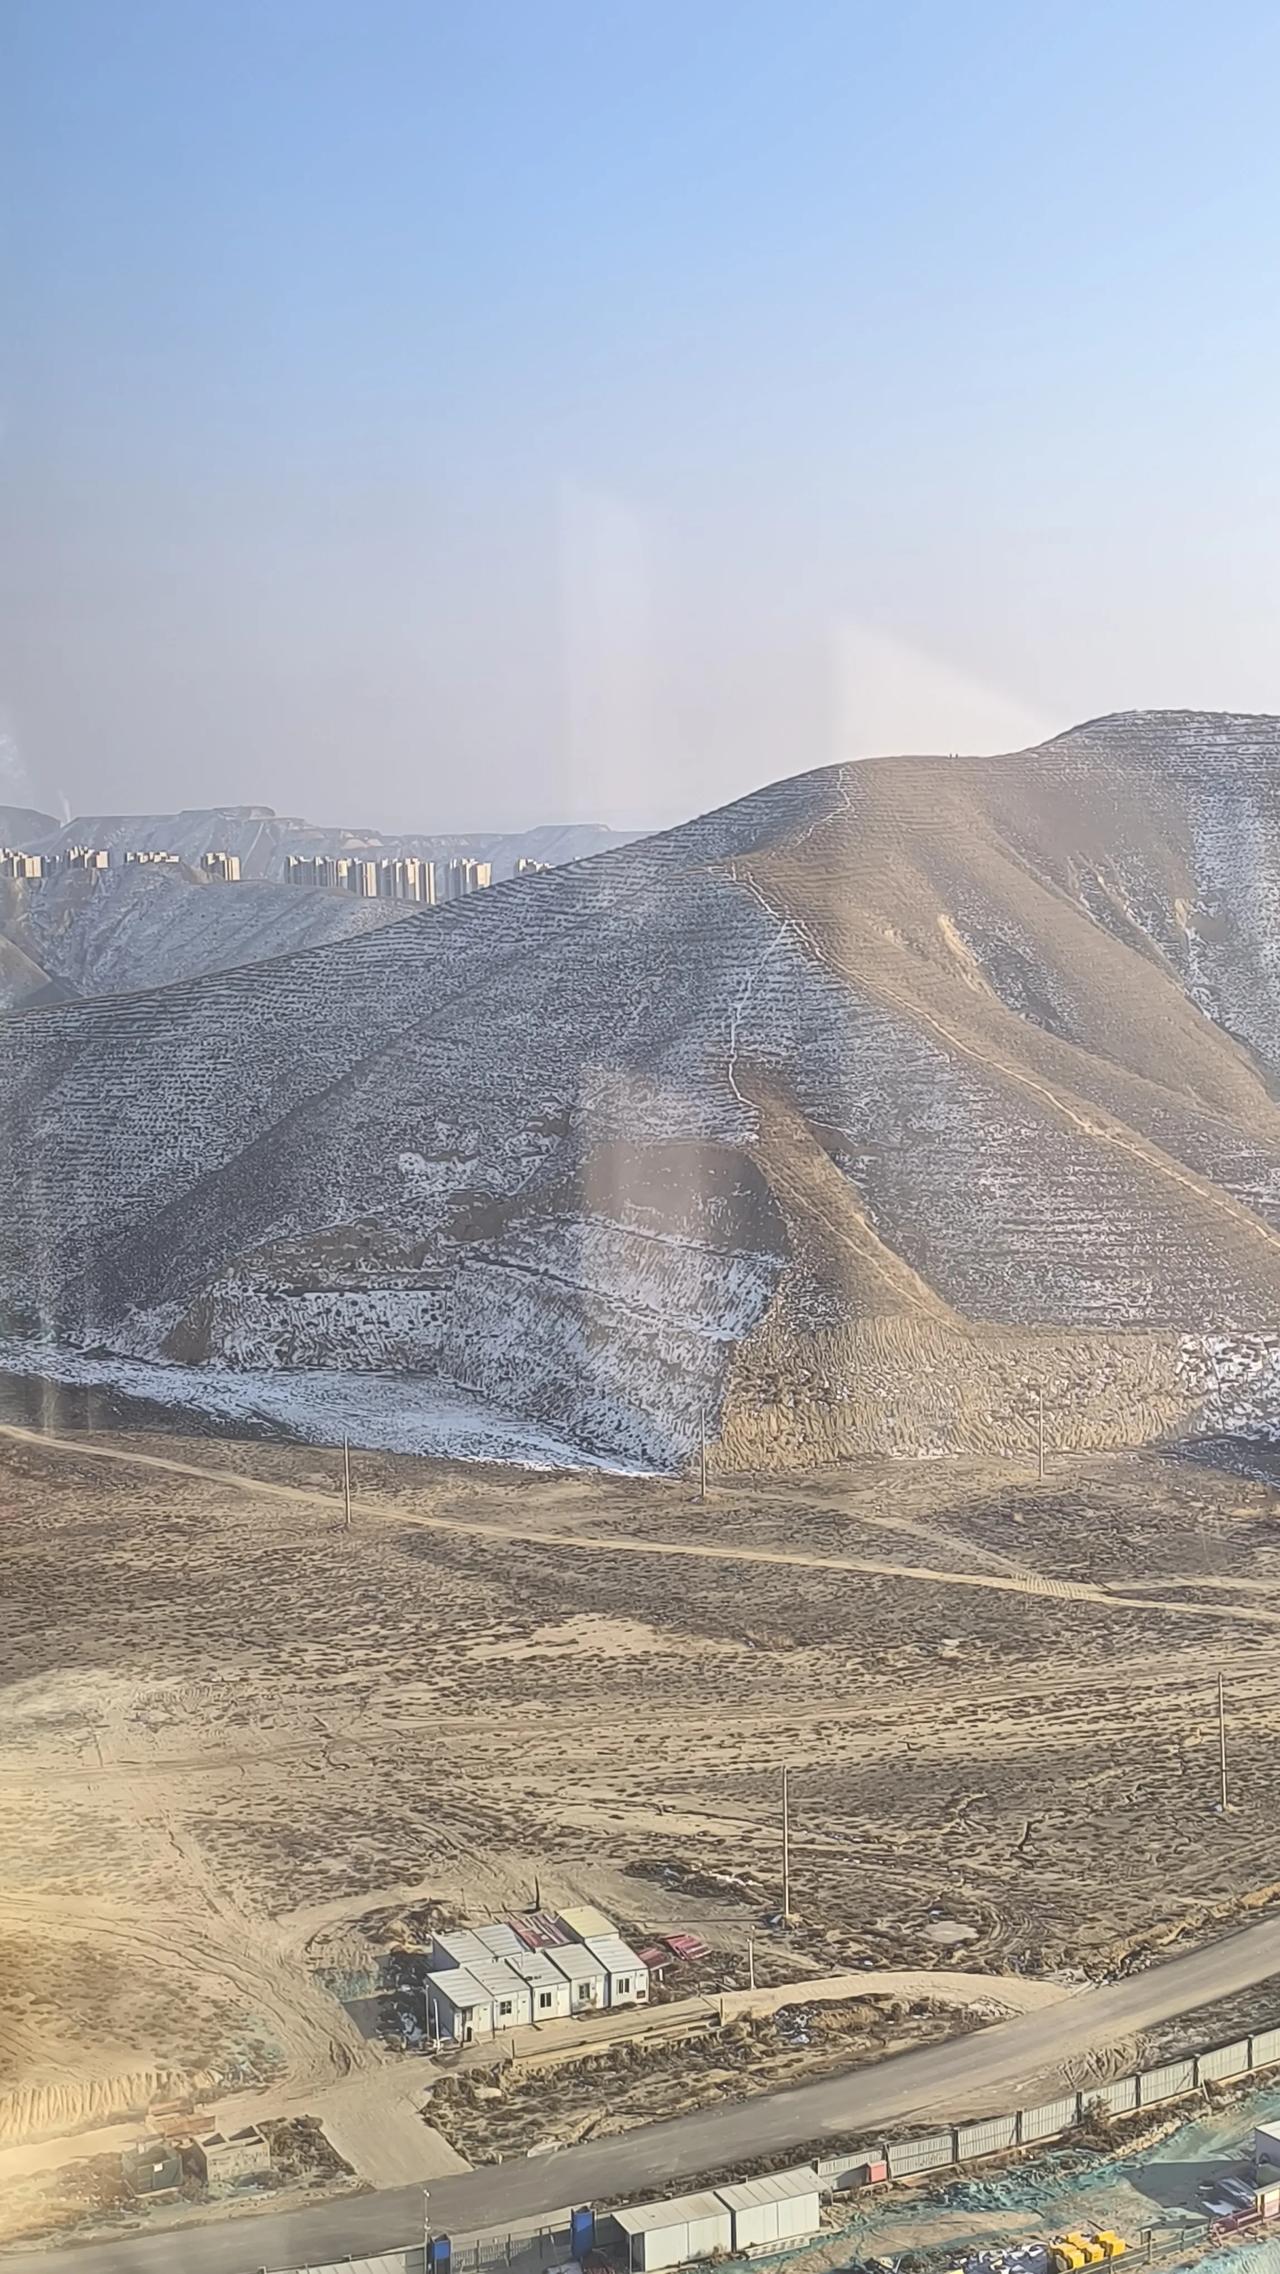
850, 1112
79, 933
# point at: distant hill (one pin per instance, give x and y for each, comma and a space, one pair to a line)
264, 839
78, 933
857, 1114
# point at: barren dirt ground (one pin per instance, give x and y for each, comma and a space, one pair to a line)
234, 1730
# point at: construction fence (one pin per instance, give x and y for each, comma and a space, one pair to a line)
527, 2248
537, 2244
1026, 2127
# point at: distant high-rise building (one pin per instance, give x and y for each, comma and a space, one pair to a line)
221, 868
320, 870
141, 859
403, 878
463, 876
28, 868
80, 857
525, 867
406, 879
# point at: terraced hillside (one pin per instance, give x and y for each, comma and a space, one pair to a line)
856, 1112
112, 932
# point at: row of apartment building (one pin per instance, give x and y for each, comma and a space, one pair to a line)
427, 882
484, 1980
32, 868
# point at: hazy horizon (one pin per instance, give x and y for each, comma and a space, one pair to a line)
470, 419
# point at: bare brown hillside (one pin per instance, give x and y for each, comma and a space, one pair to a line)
842, 1114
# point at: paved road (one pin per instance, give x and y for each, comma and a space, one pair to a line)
952, 2080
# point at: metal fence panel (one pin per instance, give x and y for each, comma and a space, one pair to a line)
986, 2138
837, 2171
1046, 2122
1223, 2061
1119, 2098
906, 2156
1167, 2082
1265, 2048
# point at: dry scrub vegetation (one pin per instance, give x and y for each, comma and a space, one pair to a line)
233, 1730
491, 2113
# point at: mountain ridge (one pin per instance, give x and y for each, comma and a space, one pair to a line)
263, 839
973, 1058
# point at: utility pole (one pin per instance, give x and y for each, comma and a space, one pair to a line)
346, 1483
1040, 1433
1222, 1747
786, 1844
426, 2229
751, 1961
702, 1452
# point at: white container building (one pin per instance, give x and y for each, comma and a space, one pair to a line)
500, 1940
655, 2235
512, 1998
583, 1923
627, 1975
460, 1947
550, 1990
458, 2006
587, 1978
782, 2208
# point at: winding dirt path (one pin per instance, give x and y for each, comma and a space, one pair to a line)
612, 1543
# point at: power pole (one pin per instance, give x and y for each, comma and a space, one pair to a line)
1222, 1747
426, 2229
1040, 1433
786, 1844
346, 1483
751, 1961
702, 1452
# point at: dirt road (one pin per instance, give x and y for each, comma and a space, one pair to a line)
1011, 1581
992, 2068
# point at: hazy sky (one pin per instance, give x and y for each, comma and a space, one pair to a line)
480, 414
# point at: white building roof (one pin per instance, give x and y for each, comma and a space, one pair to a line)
500, 1940
614, 1954
585, 1923
498, 1979
462, 1946
459, 1987
575, 1960
681, 2211
535, 1967
777, 2187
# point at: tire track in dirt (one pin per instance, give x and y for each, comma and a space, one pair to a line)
621, 1544
196, 1930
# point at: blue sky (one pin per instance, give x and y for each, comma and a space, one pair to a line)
483, 414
